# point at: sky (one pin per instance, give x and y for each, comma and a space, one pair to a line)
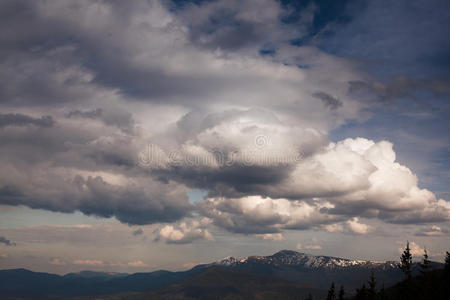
161, 134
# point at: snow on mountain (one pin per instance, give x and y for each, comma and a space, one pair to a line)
288, 257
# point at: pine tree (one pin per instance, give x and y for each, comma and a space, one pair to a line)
341, 293
406, 261
425, 265
331, 294
447, 262
382, 294
361, 294
372, 291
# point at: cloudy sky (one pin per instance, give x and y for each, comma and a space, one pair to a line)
139, 135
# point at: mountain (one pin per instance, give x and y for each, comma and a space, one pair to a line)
25, 284
318, 271
289, 257
291, 269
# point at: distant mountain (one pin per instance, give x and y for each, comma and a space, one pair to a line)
318, 271
308, 272
289, 257
24, 284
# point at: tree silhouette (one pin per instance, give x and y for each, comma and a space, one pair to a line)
406, 261
309, 297
361, 294
425, 265
372, 291
341, 293
382, 294
331, 294
447, 262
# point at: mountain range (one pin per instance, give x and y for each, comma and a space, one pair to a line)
285, 270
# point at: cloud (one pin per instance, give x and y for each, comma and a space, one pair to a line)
91, 114
110, 233
358, 178
88, 262
195, 84
271, 236
137, 264
138, 231
58, 262
257, 215
184, 232
85, 164
23, 120
240, 25
416, 250
6, 242
328, 100
313, 246
358, 228
433, 231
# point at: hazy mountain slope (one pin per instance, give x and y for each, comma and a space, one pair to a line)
218, 282
32, 285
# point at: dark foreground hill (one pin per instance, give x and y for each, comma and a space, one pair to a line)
431, 285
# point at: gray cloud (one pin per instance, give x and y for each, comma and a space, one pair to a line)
92, 114
23, 120
432, 231
138, 232
116, 77
242, 25
6, 242
328, 100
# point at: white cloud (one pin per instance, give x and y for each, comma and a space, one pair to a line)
271, 236
300, 246
88, 262
356, 227
185, 232
137, 263
415, 249
58, 262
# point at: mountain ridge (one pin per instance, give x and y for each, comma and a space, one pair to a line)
316, 272
293, 257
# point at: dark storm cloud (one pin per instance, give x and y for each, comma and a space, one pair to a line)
68, 152
6, 242
93, 196
23, 120
234, 181
328, 100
